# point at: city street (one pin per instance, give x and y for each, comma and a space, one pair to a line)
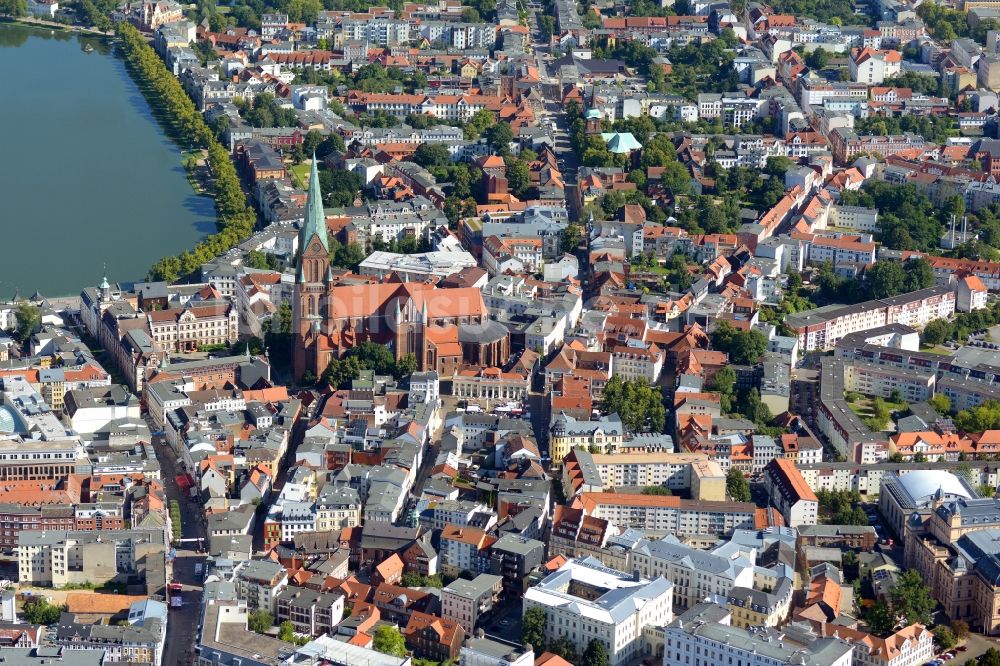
183, 622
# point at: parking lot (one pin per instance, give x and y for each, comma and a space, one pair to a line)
506, 623
976, 645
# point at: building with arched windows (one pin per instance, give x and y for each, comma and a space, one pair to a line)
443, 328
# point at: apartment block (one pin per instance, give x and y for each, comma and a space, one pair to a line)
671, 514
584, 600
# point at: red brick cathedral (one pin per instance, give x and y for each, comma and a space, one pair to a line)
444, 328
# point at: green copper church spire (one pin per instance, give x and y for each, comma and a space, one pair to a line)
315, 222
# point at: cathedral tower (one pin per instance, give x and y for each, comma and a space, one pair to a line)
312, 276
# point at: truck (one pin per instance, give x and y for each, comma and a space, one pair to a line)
175, 593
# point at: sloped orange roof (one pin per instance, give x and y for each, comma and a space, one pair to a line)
549, 659
974, 283
390, 567
555, 562
104, 604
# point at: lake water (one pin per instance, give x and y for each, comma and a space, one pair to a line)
87, 176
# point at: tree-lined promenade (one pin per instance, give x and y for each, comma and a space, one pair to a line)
235, 219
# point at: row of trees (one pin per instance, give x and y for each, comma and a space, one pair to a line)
92, 15
933, 128
984, 417
884, 279
959, 328
837, 12
15, 8
946, 24
234, 219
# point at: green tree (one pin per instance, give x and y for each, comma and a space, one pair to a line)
518, 176
919, 274
533, 628
743, 347
570, 240
724, 382
432, 154
547, 24
90, 15
596, 653
284, 318
340, 372
960, 628
312, 141
412, 579
817, 59
912, 599
286, 631
481, 121
406, 366
565, 648
29, 320
332, 144
937, 331
303, 11
885, 278
945, 637
14, 8
205, 51
260, 260
339, 187
778, 165
984, 417
754, 409
375, 357
990, 658
42, 612
941, 403
348, 256
260, 621
639, 405
500, 137
388, 640
656, 490
737, 486
880, 618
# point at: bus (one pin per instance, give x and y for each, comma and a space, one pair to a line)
175, 593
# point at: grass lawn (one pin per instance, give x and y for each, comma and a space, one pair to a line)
656, 269
937, 349
300, 174
191, 160
863, 408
